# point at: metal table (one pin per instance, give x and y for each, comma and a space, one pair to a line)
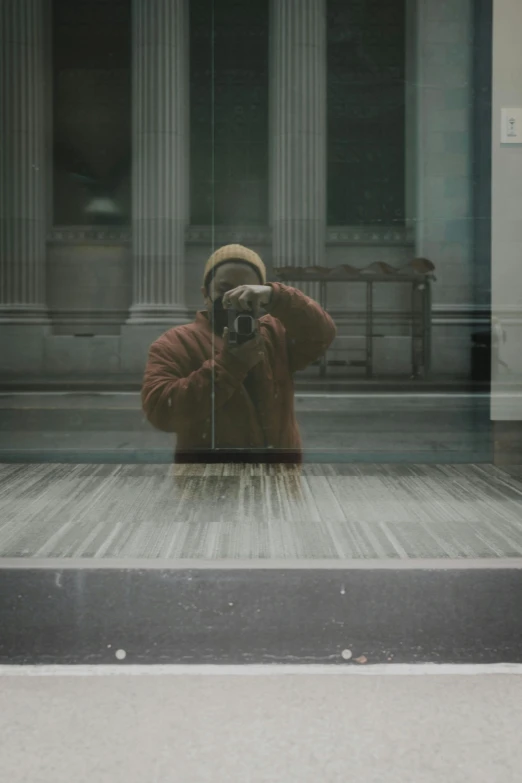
419, 317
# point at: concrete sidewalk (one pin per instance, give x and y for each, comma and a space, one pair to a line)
261, 729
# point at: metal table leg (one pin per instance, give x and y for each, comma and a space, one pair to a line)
414, 362
369, 329
324, 359
427, 328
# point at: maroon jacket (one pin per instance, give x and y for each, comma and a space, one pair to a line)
254, 413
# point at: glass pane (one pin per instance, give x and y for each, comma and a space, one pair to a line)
327, 182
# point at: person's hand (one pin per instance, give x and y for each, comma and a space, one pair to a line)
250, 353
248, 297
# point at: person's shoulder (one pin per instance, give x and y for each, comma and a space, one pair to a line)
176, 333
172, 342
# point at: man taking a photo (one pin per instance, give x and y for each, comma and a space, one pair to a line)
229, 403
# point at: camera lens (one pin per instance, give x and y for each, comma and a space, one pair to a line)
244, 324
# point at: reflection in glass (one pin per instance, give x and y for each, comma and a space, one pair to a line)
341, 154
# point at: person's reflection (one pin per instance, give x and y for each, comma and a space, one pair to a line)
230, 403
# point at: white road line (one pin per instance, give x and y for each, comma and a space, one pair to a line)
263, 670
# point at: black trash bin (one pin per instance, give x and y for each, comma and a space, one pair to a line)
481, 357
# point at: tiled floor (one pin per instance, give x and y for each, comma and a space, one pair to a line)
218, 511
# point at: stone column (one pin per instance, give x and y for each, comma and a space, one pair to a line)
23, 167
506, 234
160, 160
298, 133
444, 172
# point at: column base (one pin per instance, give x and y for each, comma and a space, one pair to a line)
157, 315
23, 314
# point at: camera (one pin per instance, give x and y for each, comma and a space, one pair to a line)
242, 327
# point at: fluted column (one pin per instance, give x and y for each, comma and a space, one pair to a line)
444, 145
298, 132
160, 159
23, 164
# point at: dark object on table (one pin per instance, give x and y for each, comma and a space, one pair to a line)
481, 357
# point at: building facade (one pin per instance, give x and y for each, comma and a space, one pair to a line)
138, 135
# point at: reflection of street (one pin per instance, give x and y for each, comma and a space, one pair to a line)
336, 427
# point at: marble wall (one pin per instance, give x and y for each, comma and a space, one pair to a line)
440, 112
506, 222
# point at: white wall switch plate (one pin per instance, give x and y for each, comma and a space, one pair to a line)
511, 129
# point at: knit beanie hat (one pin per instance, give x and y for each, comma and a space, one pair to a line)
229, 253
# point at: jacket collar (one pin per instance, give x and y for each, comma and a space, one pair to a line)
203, 322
